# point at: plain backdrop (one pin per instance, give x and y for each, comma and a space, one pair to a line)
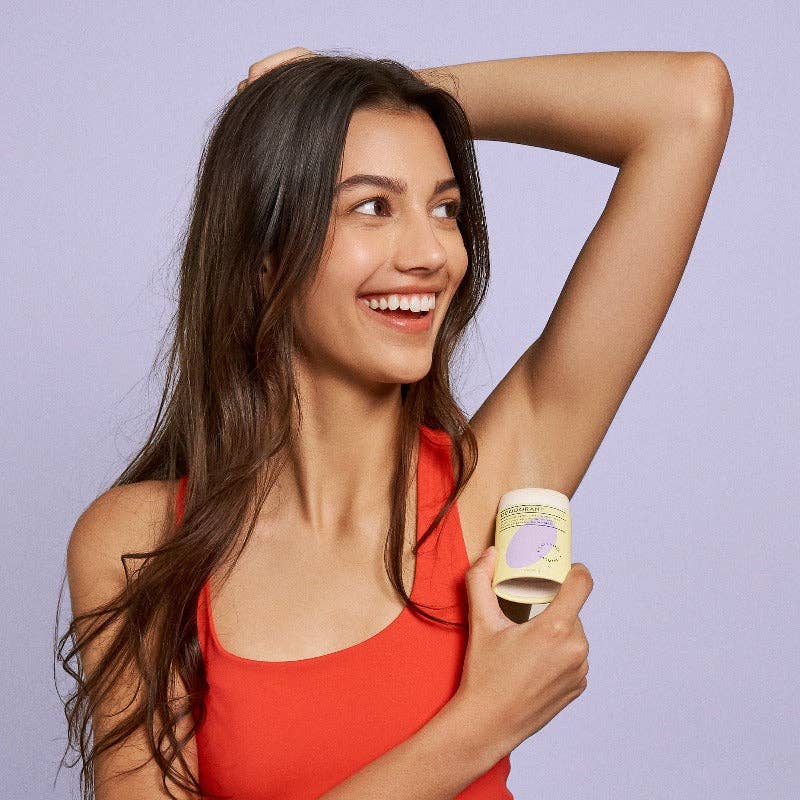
688, 515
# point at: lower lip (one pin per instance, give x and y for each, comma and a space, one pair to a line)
406, 323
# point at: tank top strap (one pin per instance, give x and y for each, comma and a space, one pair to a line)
442, 560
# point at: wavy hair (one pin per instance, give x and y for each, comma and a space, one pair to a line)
253, 241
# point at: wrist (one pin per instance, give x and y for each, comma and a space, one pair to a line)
439, 77
477, 739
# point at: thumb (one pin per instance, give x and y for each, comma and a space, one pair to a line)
484, 610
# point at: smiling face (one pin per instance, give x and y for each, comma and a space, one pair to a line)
385, 239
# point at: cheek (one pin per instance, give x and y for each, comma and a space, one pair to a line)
354, 258
316, 316
351, 260
325, 315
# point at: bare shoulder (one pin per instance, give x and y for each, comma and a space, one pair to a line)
122, 519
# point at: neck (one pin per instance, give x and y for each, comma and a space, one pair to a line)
338, 473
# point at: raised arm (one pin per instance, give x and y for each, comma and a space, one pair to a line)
663, 119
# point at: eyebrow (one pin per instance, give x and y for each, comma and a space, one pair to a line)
392, 184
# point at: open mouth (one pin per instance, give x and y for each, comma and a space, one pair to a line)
406, 320
399, 313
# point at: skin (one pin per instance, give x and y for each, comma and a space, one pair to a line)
350, 367
662, 118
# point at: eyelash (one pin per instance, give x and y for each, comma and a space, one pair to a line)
386, 199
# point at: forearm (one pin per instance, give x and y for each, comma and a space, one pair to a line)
436, 763
597, 105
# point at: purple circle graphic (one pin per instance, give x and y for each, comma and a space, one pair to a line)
531, 542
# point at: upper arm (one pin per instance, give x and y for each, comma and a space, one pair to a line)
625, 277
123, 519
545, 420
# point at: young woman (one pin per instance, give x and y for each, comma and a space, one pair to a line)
283, 595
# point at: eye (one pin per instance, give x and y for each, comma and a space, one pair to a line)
455, 208
455, 205
381, 198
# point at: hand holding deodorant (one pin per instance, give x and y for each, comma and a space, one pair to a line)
533, 538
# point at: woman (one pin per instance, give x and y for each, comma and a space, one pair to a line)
257, 644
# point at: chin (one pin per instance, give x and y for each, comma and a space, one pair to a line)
403, 374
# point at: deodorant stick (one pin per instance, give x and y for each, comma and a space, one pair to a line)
533, 540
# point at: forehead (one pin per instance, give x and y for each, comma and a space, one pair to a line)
401, 144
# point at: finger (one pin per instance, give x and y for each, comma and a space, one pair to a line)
272, 57
484, 608
584, 642
258, 68
579, 628
571, 594
261, 67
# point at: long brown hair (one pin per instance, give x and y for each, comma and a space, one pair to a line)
253, 241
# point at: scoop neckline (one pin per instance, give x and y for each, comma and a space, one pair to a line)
344, 652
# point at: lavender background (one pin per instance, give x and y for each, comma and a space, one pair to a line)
688, 516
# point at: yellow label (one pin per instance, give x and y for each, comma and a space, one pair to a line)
533, 542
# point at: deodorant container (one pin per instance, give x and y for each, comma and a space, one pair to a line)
533, 538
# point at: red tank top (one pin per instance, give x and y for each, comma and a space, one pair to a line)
295, 729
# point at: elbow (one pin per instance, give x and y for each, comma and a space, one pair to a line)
709, 95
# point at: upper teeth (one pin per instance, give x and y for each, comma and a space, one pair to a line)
406, 302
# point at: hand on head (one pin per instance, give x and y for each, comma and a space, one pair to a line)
265, 64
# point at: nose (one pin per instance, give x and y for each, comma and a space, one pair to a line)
418, 245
